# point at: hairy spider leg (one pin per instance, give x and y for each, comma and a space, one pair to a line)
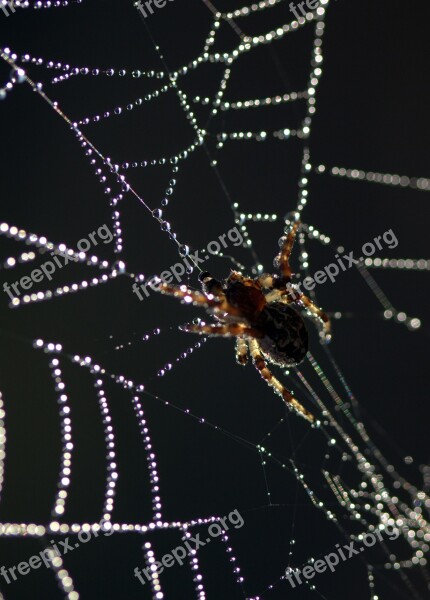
287, 294
225, 330
217, 304
241, 351
265, 281
320, 315
274, 383
285, 253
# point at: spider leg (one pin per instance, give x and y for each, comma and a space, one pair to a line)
271, 380
283, 258
241, 351
265, 281
322, 318
287, 294
225, 330
213, 303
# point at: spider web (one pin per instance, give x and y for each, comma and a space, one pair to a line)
352, 488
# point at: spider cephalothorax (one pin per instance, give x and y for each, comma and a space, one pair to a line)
258, 312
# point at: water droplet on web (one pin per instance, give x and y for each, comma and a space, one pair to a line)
184, 250
119, 266
17, 75
157, 213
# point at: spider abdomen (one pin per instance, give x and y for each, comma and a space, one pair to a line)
285, 340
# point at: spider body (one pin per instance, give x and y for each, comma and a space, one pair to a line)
283, 336
285, 340
258, 312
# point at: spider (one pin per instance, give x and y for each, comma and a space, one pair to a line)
259, 313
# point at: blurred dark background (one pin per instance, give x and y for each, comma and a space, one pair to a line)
372, 114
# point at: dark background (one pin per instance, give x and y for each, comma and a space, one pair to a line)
372, 114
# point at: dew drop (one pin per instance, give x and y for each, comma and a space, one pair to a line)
119, 266
184, 250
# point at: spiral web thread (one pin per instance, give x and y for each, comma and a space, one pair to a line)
375, 502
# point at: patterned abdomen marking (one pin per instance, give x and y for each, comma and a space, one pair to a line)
286, 338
